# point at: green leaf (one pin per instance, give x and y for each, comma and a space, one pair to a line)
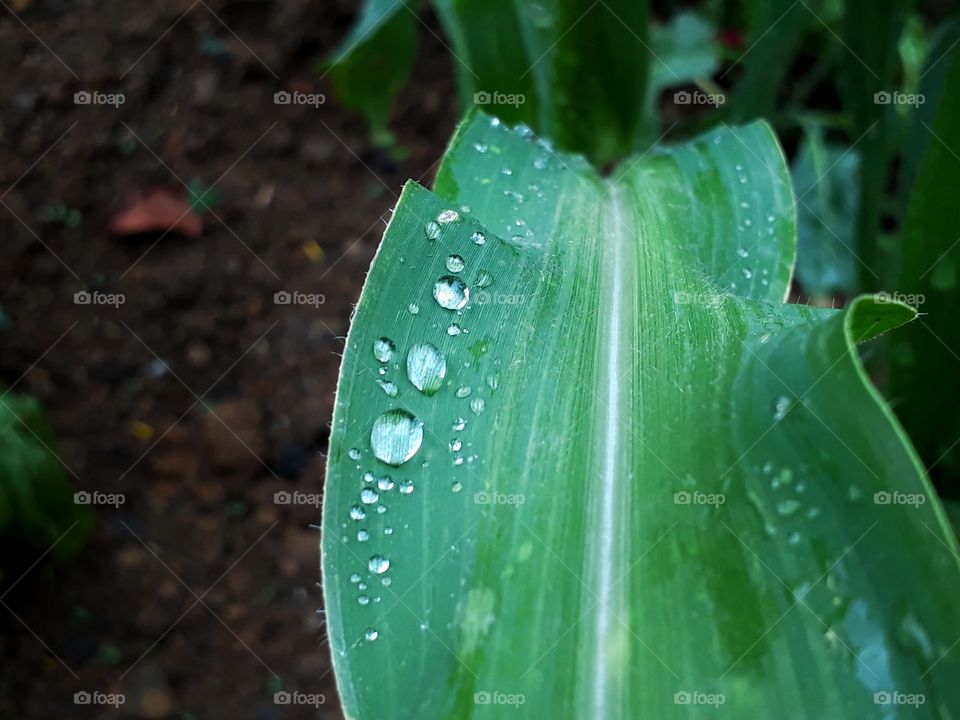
683, 50
924, 377
374, 62
575, 72
642, 476
36, 500
825, 176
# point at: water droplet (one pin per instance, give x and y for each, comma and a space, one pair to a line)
788, 507
463, 391
396, 436
453, 330
370, 635
385, 484
484, 279
357, 513
354, 453
451, 292
782, 407
390, 388
747, 273
426, 368
447, 217
455, 445
368, 496
355, 578
364, 600
378, 564
362, 535
477, 405
457, 486
455, 263
383, 349
493, 381
459, 424
413, 308
793, 538
431, 230
406, 487
481, 147
478, 238
388, 531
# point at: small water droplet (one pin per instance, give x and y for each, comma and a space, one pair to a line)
478, 238
793, 538
362, 535
453, 330
455, 445
354, 453
493, 381
788, 507
406, 487
747, 273
484, 279
378, 564
385, 484
431, 230
390, 388
426, 368
463, 391
457, 486
413, 308
357, 513
370, 635
447, 217
355, 578
383, 349
368, 496
388, 531
477, 405
450, 292
481, 147
459, 424
782, 407
396, 436
455, 263
364, 600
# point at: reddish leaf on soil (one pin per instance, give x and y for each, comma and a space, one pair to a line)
157, 209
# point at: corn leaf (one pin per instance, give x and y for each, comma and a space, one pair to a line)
585, 463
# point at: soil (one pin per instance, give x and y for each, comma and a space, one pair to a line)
199, 397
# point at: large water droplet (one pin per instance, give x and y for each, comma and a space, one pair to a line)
451, 292
378, 564
383, 349
426, 368
396, 436
368, 496
455, 263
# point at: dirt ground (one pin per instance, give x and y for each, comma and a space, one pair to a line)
199, 397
